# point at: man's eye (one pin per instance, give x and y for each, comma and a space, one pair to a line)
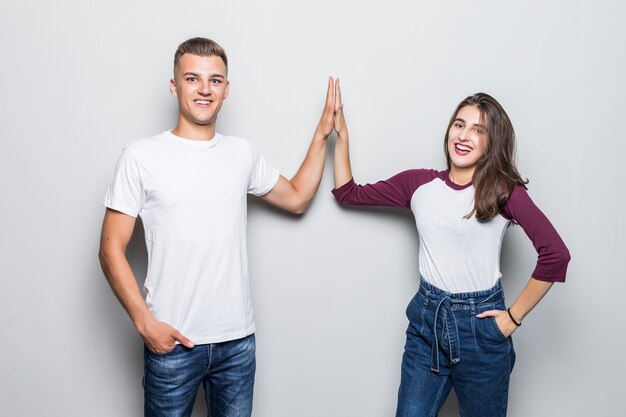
216, 81
192, 79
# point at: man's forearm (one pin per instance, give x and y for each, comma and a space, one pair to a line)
124, 285
307, 179
116, 232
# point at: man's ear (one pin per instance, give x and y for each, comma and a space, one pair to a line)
173, 88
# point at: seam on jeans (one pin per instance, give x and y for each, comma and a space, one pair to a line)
505, 403
473, 325
207, 396
423, 315
435, 410
497, 329
210, 354
446, 335
512, 355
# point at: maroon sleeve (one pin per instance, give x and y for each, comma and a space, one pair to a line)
393, 192
553, 254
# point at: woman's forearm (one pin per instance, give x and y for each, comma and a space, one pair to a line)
342, 168
530, 296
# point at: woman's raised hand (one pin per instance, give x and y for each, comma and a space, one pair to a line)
340, 121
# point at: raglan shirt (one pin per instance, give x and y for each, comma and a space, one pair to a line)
191, 197
458, 254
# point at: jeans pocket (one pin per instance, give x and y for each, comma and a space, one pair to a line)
496, 328
169, 352
488, 336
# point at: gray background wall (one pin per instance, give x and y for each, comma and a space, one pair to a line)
80, 79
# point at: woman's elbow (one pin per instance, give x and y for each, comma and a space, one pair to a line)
565, 257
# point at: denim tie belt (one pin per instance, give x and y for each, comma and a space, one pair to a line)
446, 302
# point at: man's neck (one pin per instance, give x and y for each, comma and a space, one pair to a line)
194, 132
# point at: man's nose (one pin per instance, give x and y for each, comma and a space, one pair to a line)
204, 89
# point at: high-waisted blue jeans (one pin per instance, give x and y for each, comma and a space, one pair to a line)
226, 370
448, 346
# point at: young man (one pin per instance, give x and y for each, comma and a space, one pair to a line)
189, 186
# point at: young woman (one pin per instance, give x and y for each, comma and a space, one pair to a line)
459, 332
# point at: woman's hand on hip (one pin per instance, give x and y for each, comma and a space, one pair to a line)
504, 322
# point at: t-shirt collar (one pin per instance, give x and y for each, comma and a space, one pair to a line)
168, 135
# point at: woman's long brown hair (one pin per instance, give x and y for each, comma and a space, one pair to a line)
496, 174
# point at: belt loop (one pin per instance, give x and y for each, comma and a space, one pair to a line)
472, 304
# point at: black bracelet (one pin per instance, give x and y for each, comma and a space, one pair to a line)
508, 310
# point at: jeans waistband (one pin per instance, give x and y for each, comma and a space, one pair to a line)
490, 295
446, 301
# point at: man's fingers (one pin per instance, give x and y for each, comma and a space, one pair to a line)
182, 339
330, 93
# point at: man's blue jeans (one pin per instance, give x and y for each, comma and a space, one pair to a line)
448, 346
226, 370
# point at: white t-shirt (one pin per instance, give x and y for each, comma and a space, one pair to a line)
191, 197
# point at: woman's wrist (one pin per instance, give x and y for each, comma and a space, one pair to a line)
342, 134
515, 321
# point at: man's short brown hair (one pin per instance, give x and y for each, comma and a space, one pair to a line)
199, 47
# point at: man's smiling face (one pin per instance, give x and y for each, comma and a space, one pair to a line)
200, 84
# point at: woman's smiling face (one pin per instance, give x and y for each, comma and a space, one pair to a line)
467, 138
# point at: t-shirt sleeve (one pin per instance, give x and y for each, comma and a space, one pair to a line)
263, 176
125, 193
393, 192
553, 255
